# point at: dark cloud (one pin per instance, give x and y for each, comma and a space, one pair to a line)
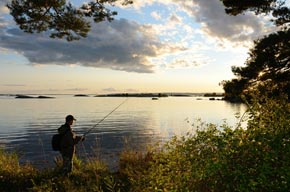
219, 24
119, 45
216, 23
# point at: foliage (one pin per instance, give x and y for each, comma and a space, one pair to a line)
14, 177
214, 158
278, 9
268, 63
234, 89
222, 158
89, 176
269, 59
59, 17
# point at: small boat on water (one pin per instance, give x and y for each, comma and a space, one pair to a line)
154, 98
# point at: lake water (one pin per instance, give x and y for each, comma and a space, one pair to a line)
27, 125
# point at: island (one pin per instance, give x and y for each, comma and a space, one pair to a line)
213, 95
81, 95
134, 95
31, 97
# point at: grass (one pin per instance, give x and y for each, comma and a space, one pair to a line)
215, 158
90, 176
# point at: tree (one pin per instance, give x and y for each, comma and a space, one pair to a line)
268, 63
233, 89
59, 17
277, 8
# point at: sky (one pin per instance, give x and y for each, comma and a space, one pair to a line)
151, 46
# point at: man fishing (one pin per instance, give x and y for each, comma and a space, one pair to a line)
69, 140
67, 144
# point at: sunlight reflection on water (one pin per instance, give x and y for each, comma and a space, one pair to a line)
27, 125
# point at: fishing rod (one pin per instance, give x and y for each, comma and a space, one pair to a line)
104, 118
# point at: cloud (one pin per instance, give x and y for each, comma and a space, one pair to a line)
113, 90
174, 18
215, 22
109, 89
128, 46
13, 85
3, 7
76, 89
156, 15
188, 59
119, 45
130, 90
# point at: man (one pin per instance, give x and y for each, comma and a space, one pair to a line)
67, 144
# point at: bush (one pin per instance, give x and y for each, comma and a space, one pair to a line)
214, 158
222, 158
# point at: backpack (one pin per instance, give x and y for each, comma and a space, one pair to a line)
56, 140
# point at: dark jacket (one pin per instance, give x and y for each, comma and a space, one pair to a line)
69, 140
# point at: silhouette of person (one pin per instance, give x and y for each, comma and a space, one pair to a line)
68, 144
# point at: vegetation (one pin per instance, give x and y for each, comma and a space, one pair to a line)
134, 95
268, 65
277, 8
90, 176
59, 17
215, 158
269, 61
222, 158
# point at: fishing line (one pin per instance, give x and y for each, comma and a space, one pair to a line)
104, 118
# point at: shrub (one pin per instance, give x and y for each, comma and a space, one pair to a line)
222, 158
214, 158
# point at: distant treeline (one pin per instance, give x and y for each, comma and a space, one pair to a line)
21, 96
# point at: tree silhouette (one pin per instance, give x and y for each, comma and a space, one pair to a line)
59, 17
278, 9
268, 63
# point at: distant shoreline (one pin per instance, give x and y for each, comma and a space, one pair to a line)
49, 96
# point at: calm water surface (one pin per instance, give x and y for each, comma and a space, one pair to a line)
26, 125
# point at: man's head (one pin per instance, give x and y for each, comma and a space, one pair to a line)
70, 119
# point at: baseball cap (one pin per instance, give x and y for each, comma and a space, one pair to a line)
69, 118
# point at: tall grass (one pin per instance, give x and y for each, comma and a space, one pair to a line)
89, 176
215, 158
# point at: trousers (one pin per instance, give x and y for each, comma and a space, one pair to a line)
67, 165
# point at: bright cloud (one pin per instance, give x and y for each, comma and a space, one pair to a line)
188, 61
156, 15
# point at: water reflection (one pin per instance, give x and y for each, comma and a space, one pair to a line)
105, 142
28, 125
